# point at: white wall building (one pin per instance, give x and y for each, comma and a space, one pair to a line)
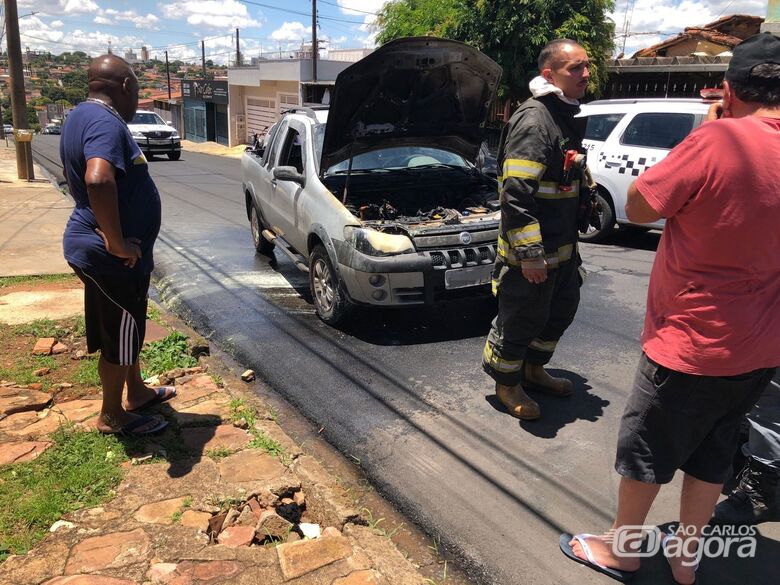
259, 94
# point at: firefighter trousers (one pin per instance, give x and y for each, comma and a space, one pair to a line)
531, 319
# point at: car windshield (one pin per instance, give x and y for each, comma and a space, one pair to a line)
404, 157
147, 118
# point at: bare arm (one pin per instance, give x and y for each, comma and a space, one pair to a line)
100, 180
638, 210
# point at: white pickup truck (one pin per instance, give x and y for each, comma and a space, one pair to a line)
377, 196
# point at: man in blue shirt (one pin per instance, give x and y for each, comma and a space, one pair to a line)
109, 239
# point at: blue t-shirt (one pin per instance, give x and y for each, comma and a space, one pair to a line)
93, 131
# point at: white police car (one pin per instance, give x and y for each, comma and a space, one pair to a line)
625, 137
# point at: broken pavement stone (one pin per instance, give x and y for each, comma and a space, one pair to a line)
45, 425
44, 346
13, 400
162, 572
35, 386
209, 412
79, 410
159, 512
195, 519
250, 465
302, 557
368, 577
110, 551
273, 525
256, 508
22, 451
248, 375
236, 536
190, 572
41, 372
88, 580
246, 517
154, 332
216, 523
192, 390
59, 348
300, 499
202, 439
199, 347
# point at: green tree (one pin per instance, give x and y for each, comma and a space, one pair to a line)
512, 32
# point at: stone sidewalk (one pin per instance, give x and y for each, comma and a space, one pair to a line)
213, 148
212, 500
32, 219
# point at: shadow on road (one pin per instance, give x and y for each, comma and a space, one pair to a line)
559, 412
634, 238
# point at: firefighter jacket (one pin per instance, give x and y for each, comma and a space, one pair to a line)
537, 218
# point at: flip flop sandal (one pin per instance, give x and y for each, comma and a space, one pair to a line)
129, 430
591, 563
162, 395
664, 546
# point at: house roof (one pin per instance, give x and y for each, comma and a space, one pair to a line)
727, 32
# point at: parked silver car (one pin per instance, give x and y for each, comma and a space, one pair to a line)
377, 197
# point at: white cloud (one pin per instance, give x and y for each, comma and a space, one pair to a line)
59, 7
211, 13
292, 32
102, 20
140, 21
56, 24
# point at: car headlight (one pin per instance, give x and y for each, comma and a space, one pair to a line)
136, 134
175, 136
376, 243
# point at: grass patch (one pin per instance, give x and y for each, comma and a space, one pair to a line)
21, 372
42, 328
241, 410
87, 372
153, 314
218, 453
167, 354
79, 471
7, 281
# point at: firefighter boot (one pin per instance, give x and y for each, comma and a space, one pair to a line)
754, 500
535, 377
517, 402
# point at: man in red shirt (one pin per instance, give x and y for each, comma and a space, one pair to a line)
711, 339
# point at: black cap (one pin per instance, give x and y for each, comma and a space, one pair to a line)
756, 50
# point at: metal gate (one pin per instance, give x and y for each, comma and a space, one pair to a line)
260, 115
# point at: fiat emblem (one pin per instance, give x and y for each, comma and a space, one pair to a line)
465, 238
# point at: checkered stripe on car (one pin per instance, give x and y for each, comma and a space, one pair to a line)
629, 165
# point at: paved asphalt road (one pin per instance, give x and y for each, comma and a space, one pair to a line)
402, 391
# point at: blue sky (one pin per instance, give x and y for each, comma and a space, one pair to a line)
268, 25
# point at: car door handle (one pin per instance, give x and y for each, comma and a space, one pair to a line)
611, 163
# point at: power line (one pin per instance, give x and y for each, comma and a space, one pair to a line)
299, 12
352, 9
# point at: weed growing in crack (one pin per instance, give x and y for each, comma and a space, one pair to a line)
167, 354
218, 453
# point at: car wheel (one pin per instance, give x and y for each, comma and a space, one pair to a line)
175, 155
330, 300
261, 244
607, 217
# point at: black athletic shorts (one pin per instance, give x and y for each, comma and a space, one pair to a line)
115, 314
683, 421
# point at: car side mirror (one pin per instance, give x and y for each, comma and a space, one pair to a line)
169, 123
289, 174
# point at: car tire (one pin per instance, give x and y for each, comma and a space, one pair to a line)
330, 299
175, 155
607, 216
256, 226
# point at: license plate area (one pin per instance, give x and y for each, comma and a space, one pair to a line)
469, 276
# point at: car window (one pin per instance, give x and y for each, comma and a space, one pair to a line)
147, 118
270, 145
600, 126
292, 151
400, 157
658, 130
272, 149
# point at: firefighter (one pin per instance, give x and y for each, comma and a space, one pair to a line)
536, 277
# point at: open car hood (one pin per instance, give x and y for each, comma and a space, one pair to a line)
419, 91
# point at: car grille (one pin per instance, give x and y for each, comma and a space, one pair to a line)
462, 257
157, 134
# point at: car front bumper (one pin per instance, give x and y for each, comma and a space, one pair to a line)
419, 278
158, 145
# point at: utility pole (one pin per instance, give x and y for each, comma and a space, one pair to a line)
314, 46
168, 75
24, 161
203, 57
238, 52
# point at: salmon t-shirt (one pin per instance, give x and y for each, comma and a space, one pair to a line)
713, 305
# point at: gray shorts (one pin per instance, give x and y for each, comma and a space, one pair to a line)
683, 421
